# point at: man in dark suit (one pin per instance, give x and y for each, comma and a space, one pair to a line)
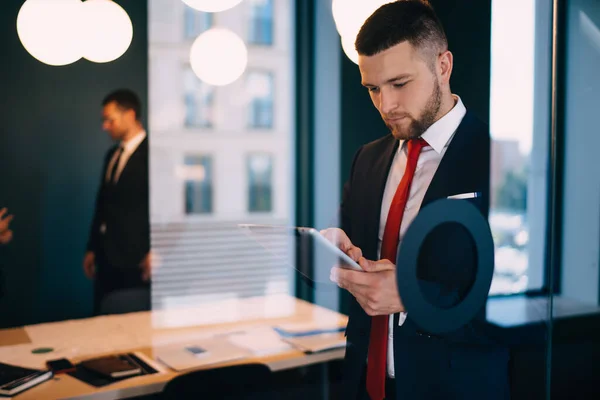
118, 251
436, 149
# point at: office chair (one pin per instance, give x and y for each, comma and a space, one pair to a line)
125, 301
246, 381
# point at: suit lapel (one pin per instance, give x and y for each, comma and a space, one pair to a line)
449, 171
131, 161
378, 175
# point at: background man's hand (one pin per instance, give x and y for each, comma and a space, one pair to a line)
339, 238
148, 264
5, 233
375, 289
89, 264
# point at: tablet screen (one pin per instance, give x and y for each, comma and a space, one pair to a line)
309, 253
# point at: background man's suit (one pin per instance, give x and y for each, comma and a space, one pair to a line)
120, 233
467, 363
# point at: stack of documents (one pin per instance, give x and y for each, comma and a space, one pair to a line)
311, 337
317, 343
257, 341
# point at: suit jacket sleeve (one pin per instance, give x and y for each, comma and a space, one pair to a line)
94, 235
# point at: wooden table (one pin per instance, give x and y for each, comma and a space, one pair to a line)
143, 332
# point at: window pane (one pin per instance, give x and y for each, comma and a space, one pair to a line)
198, 184
518, 168
259, 88
260, 172
196, 22
261, 22
199, 100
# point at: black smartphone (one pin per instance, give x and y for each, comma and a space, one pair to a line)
60, 365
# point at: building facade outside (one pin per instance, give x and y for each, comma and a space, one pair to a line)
220, 156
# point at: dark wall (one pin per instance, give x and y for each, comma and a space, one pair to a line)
468, 28
51, 151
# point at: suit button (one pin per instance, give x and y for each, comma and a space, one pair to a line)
423, 334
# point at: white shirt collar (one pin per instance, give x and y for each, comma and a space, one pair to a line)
132, 144
439, 133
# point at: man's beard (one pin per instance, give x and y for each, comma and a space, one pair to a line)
417, 127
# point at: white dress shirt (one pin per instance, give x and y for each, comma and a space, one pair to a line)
129, 147
438, 136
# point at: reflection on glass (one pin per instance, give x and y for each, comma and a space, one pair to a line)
198, 184
259, 88
511, 126
196, 22
261, 22
260, 172
203, 185
199, 99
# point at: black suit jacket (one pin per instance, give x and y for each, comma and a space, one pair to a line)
124, 209
466, 363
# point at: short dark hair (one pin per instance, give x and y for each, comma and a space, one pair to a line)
126, 100
414, 21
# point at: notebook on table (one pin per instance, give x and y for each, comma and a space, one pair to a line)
99, 379
14, 379
114, 366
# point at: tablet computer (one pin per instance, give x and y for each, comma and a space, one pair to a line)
313, 251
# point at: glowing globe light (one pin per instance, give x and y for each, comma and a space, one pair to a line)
349, 49
108, 30
50, 30
218, 57
349, 16
212, 5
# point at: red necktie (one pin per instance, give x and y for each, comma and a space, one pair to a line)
377, 360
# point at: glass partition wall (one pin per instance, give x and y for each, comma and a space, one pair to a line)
221, 154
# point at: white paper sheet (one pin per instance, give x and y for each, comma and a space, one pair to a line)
260, 341
217, 351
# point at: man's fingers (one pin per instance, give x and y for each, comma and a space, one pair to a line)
90, 270
346, 277
334, 235
2, 212
6, 237
354, 253
338, 237
5, 222
376, 266
334, 275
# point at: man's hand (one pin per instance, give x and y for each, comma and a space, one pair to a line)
5, 233
89, 264
149, 263
375, 289
339, 238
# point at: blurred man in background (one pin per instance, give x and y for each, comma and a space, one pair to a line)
117, 256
